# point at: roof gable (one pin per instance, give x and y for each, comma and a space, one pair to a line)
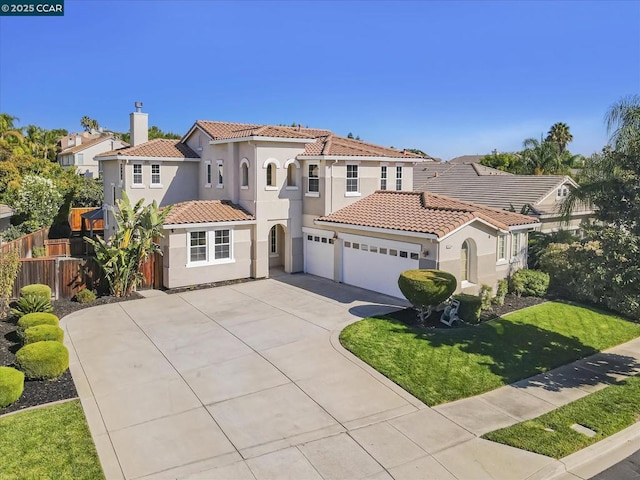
206, 211
156, 148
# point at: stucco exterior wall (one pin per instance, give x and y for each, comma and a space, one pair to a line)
177, 272
178, 182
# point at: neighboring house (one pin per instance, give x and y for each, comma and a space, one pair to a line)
81, 151
539, 196
247, 198
6, 212
466, 159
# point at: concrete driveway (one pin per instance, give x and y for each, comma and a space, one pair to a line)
250, 382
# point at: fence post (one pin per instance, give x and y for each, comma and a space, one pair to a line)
56, 278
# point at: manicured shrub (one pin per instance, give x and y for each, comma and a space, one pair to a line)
85, 296
501, 291
11, 385
43, 333
486, 292
31, 304
530, 283
34, 319
43, 359
37, 289
426, 288
470, 307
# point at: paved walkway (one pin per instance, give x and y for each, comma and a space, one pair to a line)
250, 382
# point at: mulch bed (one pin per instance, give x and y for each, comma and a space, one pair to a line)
511, 304
39, 392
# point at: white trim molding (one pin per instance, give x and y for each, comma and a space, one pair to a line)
271, 160
290, 161
258, 138
200, 226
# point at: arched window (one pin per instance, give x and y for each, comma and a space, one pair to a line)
271, 175
464, 262
244, 174
291, 175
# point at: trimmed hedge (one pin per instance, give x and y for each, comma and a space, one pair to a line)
424, 288
530, 283
37, 289
43, 333
11, 385
43, 359
85, 296
34, 319
470, 307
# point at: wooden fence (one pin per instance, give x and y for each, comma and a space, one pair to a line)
66, 276
75, 219
26, 243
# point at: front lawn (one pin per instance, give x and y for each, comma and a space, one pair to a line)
605, 412
48, 443
442, 365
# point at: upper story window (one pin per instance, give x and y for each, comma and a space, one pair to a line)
220, 174
314, 179
352, 178
155, 174
383, 178
398, 178
562, 192
291, 175
137, 174
244, 175
271, 175
208, 173
502, 247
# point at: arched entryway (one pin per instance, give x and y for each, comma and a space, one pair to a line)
468, 262
276, 245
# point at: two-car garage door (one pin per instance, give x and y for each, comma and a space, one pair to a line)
366, 262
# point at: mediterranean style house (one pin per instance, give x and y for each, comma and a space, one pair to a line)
79, 151
248, 198
539, 196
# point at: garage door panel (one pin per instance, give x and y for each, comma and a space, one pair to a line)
319, 254
376, 264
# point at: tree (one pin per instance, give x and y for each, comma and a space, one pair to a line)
155, 132
417, 151
9, 268
36, 200
559, 133
426, 289
89, 124
8, 129
623, 123
507, 162
122, 256
541, 157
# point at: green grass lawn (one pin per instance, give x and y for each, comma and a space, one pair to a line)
606, 412
48, 443
442, 365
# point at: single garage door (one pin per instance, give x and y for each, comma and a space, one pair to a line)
318, 254
376, 264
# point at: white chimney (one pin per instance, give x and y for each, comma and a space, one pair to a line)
139, 126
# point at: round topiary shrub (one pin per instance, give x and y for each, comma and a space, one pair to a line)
85, 296
33, 319
11, 385
43, 333
37, 289
43, 359
426, 288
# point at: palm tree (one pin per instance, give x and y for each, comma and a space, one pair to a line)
89, 124
9, 129
541, 157
560, 134
623, 122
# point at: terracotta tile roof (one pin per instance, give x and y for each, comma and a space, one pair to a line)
206, 211
159, 147
421, 212
326, 143
87, 144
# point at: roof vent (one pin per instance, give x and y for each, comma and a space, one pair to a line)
138, 106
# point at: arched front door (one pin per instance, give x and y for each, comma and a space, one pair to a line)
276, 247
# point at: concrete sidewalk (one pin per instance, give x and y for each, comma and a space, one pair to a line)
249, 381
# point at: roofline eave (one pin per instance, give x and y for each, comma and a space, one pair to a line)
354, 158
229, 223
141, 158
364, 228
258, 138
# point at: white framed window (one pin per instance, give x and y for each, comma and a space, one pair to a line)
515, 245
155, 174
313, 185
352, 179
80, 159
273, 241
501, 250
222, 244
220, 170
197, 246
244, 175
398, 178
113, 194
271, 175
208, 173
383, 177
137, 174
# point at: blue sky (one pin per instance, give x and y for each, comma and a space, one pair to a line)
450, 78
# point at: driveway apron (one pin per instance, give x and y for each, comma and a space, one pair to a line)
249, 381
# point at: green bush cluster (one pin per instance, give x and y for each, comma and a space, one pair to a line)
37, 289
470, 307
85, 296
486, 294
34, 319
31, 304
424, 288
501, 292
43, 360
43, 333
11, 385
530, 283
